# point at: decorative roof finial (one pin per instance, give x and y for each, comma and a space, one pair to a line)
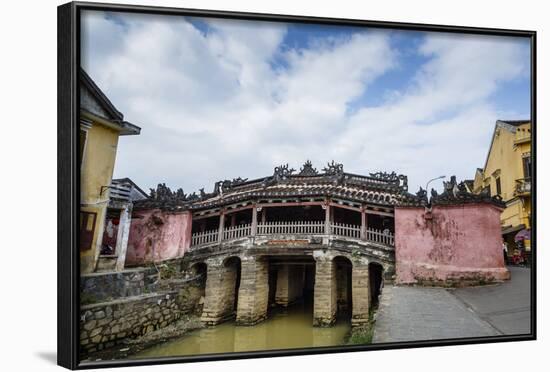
334, 169
308, 170
282, 172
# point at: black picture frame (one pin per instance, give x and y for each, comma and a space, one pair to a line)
69, 179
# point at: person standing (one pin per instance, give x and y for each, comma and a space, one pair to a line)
505, 251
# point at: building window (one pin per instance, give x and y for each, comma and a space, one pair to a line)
87, 228
499, 190
527, 167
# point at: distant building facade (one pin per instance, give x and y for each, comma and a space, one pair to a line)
101, 202
507, 174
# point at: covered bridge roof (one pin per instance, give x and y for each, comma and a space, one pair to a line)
377, 189
381, 188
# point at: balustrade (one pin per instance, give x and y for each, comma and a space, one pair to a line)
293, 228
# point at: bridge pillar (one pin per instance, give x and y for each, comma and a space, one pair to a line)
290, 284
219, 297
360, 292
325, 296
253, 291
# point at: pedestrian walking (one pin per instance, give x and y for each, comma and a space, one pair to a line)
505, 251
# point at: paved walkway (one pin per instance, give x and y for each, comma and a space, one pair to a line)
420, 313
507, 307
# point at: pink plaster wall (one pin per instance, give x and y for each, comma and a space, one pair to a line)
460, 244
158, 235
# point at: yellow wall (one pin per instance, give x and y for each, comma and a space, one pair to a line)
96, 171
478, 182
506, 155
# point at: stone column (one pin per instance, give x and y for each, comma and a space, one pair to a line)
327, 219
122, 236
219, 296
360, 292
324, 297
363, 224
221, 226
253, 291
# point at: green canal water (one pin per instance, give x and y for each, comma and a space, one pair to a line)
284, 329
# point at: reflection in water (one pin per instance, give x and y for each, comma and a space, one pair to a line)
284, 329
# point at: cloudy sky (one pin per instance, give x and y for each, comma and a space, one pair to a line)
219, 99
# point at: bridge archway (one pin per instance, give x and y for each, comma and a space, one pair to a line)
196, 290
232, 281
199, 272
376, 275
291, 280
343, 282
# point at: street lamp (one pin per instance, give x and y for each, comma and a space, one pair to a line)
433, 179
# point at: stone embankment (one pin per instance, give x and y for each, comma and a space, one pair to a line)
129, 311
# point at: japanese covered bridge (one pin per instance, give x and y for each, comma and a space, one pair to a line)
326, 236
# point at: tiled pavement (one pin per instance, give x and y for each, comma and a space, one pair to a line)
420, 313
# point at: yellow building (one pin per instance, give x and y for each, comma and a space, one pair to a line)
507, 173
101, 124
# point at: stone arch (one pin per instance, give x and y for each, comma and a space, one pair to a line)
232, 264
197, 268
231, 259
195, 291
376, 281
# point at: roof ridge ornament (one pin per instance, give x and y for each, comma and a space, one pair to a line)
222, 186
422, 194
454, 192
282, 172
163, 193
385, 176
308, 170
334, 169
399, 179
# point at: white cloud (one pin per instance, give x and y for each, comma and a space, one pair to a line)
212, 106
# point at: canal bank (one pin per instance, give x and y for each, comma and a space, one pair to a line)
284, 328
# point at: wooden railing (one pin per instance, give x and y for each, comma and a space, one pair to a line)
294, 228
344, 229
236, 232
378, 236
204, 237
291, 228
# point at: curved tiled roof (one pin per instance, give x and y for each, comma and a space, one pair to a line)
367, 191
384, 189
